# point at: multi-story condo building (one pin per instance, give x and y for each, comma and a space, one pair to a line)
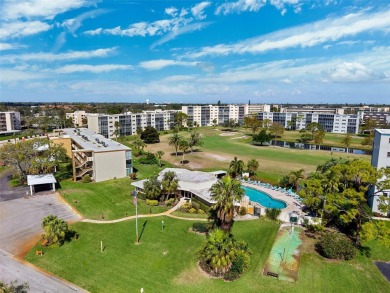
77, 117
207, 115
9, 121
308, 109
128, 123
380, 159
330, 122
93, 154
355, 110
381, 118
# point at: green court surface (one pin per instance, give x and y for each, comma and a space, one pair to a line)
283, 261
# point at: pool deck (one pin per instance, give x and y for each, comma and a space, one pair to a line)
292, 204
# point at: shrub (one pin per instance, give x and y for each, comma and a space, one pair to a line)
133, 176
86, 178
185, 207
201, 205
192, 211
200, 211
315, 228
200, 227
196, 205
272, 214
336, 246
169, 202
15, 182
152, 202
148, 159
242, 211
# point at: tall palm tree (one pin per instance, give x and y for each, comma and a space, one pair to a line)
252, 166
194, 140
236, 167
169, 184
174, 141
183, 146
152, 188
225, 192
294, 177
159, 155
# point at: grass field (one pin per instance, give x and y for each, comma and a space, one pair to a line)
165, 261
219, 148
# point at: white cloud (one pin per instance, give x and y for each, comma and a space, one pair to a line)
91, 68
198, 10
8, 46
20, 29
351, 72
162, 63
171, 11
240, 6
309, 35
50, 57
11, 75
15, 9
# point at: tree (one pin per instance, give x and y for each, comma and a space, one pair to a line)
181, 119
315, 129
194, 140
266, 124
345, 186
33, 156
368, 141
225, 192
347, 141
183, 146
252, 122
231, 123
236, 167
150, 135
116, 131
174, 141
305, 136
139, 143
262, 137
292, 179
368, 125
55, 230
252, 166
276, 129
319, 136
169, 184
152, 188
214, 122
159, 155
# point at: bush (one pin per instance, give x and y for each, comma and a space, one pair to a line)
15, 182
196, 205
201, 205
200, 227
148, 159
200, 211
169, 202
242, 211
133, 176
86, 178
192, 211
315, 228
336, 246
272, 214
185, 207
152, 202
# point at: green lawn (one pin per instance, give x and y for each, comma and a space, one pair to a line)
165, 261
189, 215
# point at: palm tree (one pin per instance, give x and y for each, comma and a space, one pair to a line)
236, 167
55, 229
152, 188
174, 141
169, 184
252, 166
194, 140
159, 155
347, 141
183, 146
225, 192
218, 252
139, 143
294, 177
116, 132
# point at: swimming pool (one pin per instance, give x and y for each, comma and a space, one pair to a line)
264, 199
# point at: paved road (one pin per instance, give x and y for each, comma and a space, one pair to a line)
8, 193
11, 269
384, 267
20, 219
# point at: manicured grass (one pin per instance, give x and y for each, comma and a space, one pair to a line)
106, 200
165, 261
189, 215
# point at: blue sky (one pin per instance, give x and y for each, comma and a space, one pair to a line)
266, 51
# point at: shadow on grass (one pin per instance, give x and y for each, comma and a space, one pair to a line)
365, 250
143, 229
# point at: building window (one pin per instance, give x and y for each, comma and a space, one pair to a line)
388, 154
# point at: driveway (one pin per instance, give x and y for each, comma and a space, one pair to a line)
8, 193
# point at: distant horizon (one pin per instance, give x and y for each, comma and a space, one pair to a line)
294, 51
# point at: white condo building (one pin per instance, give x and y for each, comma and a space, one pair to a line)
334, 123
128, 123
9, 121
208, 115
380, 159
77, 117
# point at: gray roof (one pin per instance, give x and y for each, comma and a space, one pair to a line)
383, 131
40, 179
90, 140
197, 182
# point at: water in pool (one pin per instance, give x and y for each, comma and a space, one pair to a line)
264, 199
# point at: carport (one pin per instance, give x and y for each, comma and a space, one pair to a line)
41, 181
